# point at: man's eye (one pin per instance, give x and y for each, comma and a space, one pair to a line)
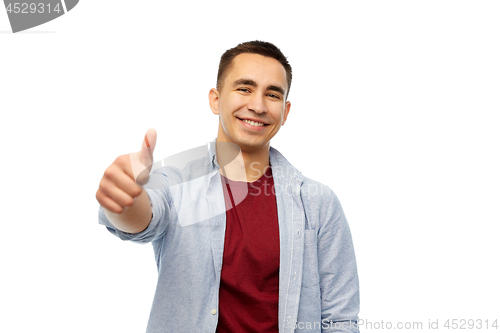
243, 89
274, 96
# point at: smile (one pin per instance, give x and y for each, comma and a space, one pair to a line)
253, 123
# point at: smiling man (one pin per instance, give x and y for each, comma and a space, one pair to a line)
251, 103
243, 241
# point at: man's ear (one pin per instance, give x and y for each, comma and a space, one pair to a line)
213, 99
287, 109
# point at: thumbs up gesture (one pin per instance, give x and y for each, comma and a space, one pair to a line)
122, 180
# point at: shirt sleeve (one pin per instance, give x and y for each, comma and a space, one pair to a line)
160, 200
339, 283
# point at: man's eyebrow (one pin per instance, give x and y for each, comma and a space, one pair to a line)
250, 82
278, 89
247, 82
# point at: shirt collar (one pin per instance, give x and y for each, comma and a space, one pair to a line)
278, 162
212, 154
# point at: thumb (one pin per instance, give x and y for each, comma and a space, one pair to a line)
148, 146
145, 155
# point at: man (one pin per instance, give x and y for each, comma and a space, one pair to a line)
243, 242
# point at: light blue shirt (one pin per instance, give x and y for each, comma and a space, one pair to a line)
318, 280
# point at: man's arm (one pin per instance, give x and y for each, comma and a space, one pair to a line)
338, 271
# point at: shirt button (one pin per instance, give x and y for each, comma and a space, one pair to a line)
298, 232
213, 311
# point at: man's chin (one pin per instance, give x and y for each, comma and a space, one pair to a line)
252, 145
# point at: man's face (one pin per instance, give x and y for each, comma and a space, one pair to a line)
251, 104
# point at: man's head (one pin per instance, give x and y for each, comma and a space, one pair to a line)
257, 47
251, 96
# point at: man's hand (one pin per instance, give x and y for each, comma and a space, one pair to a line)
122, 180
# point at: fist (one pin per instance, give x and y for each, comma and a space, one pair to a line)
123, 179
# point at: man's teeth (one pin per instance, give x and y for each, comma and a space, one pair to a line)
252, 122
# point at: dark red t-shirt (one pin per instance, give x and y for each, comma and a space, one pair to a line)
249, 287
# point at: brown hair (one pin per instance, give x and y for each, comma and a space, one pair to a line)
258, 47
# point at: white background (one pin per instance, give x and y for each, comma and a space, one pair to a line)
395, 106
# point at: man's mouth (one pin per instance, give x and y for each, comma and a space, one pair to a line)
253, 123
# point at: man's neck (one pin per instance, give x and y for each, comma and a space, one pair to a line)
240, 164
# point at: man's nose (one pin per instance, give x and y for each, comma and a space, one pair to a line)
257, 103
